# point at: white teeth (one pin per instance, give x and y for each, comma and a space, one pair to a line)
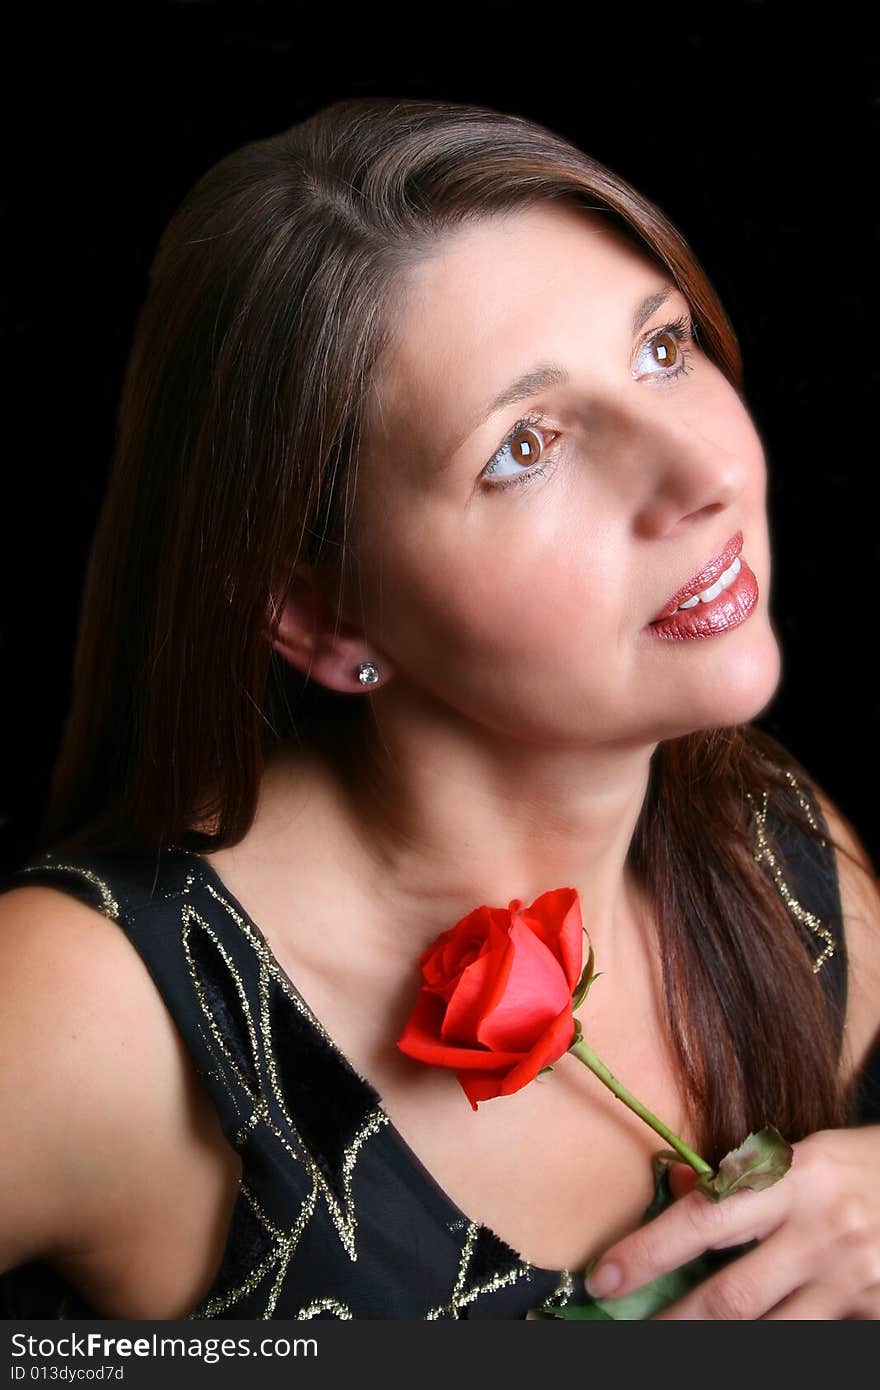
723, 582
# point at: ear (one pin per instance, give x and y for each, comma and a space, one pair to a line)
309, 637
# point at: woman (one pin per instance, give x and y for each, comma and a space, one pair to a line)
430, 423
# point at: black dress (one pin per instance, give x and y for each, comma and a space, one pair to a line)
335, 1217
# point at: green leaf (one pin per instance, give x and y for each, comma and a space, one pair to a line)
759, 1161
543, 1069
587, 977
658, 1294
636, 1306
666, 1288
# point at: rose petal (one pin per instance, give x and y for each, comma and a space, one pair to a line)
555, 917
421, 1039
479, 991
552, 1045
487, 1085
482, 930
479, 1085
535, 991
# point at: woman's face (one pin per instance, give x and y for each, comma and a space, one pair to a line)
525, 607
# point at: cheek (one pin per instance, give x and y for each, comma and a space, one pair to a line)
518, 634
491, 596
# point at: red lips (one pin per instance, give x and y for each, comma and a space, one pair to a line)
704, 577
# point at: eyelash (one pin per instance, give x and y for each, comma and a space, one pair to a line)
681, 329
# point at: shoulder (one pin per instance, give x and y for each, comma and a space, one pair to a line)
96, 1089
74, 975
860, 908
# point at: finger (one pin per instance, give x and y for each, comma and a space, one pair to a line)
824, 1301
685, 1230
813, 1304
748, 1287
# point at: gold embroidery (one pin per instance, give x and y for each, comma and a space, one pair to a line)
561, 1294
461, 1296
109, 905
805, 806
214, 1307
345, 1221
797, 910
322, 1305
188, 917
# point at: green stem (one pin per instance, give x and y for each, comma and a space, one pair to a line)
586, 1055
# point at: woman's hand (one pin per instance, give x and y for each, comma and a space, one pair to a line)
818, 1228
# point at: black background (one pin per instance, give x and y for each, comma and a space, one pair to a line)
752, 125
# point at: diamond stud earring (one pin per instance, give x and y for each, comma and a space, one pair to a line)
368, 674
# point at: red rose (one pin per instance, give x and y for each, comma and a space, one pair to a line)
496, 998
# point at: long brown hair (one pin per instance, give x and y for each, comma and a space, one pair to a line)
243, 408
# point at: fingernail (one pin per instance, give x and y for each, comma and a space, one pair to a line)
603, 1280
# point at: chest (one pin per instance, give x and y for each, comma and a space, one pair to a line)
558, 1170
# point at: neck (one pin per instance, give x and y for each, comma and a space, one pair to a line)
434, 822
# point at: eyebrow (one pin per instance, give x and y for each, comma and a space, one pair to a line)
545, 375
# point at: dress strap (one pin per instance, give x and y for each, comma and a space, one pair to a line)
801, 866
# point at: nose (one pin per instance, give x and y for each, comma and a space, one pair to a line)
690, 476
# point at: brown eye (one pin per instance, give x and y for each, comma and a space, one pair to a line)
665, 349
526, 448
669, 349
525, 445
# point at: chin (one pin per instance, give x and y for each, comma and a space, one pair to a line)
728, 691
742, 688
